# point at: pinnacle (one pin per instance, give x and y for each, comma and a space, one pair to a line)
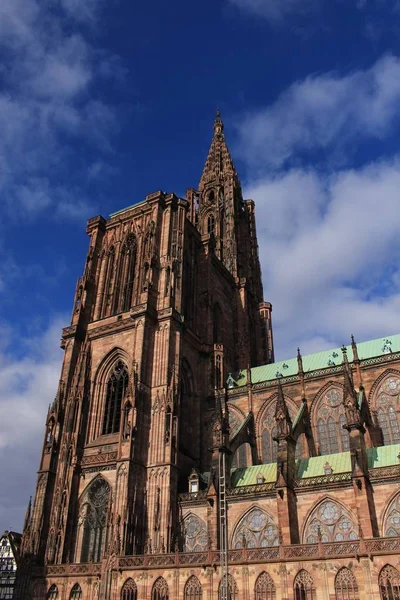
218, 123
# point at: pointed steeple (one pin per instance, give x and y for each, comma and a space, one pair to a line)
219, 162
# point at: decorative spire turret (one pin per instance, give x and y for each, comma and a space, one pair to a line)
28, 515
350, 401
282, 417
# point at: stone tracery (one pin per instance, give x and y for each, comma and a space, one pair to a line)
194, 534
264, 588
193, 589
256, 529
387, 401
129, 590
389, 583
391, 526
332, 522
329, 419
94, 507
303, 585
346, 587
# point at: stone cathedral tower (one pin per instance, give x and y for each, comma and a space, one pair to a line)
170, 302
168, 365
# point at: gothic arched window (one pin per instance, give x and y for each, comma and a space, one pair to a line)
228, 588
76, 592
126, 275
160, 589
329, 419
264, 588
269, 446
193, 589
391, 527
387, 406
194, 534
332, 521
109, 282
255, 530
242, 457
52, 594
304, 586
129, 274
116, 388
129, 590
389, 583
346, 587
94, 517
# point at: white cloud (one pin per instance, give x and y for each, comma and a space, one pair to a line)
330, 251
28, 384
275, 10
49, 90
329, 243
325, 112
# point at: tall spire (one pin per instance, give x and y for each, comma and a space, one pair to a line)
219, 162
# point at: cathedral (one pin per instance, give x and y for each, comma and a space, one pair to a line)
180, 460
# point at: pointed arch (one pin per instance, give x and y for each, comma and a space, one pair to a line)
76, 592
92, 531
303, 586
106, 364
160, 589
328, 418
194, 533
228, 584
330, 519
255, 529
264, 588
102, 376
389, 583
391, 517
193, 589
52, 593
385, 403
377, 383
266, 429
129, 590
109, 281
346, 587
242, 457
123, 289
117, 386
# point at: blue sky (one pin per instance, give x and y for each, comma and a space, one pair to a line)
104, 102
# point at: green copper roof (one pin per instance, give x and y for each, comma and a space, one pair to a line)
320, 360
117, 212
383, 456
248, 475
314, 466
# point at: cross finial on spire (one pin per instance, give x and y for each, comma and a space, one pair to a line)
218, 124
